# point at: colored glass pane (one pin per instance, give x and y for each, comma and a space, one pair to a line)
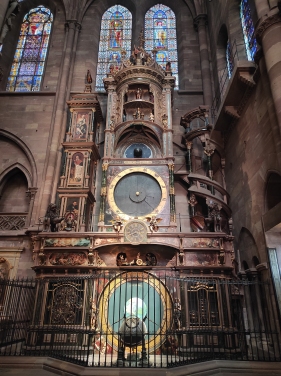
248, 29
160, 34
229, 60
115, 36
29, 59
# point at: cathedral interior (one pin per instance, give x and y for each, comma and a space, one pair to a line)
140, 186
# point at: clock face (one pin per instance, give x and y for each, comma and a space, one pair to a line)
138, 150
135, 295
137, 192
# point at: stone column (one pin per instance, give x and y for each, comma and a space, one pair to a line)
31, 194
167, 121
57, 131
200, 23
103, 192
268, 34
172, 194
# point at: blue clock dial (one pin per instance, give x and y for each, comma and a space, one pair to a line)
138, 150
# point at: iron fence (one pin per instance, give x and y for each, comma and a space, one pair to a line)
139, 319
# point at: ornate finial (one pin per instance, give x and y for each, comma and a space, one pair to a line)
141, 39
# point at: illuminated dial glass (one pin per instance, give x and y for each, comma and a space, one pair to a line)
131, 295
138, 150
135, 307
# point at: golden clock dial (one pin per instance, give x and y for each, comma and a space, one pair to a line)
137, 192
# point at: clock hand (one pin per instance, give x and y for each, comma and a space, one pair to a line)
149, 204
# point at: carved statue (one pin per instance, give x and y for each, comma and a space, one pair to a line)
138, 114
138, 93
52, 219
168, 66
121, 259
117, 224
151, 116
214, 215
150, 259
89, 79
11, 12
153, 223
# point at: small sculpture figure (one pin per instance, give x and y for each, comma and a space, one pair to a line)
150, 259
143, 57
136, 52
137, 261
138, 93
168, 66
153, 223
117, 224
124, 115
151, 116
133, 59
137, 115
177, 314
121, 259
151, 97
70, 220
52, 219
165, 121
89, 79
111, 69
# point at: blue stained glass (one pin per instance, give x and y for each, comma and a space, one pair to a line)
160, 34
229, 60
115, 36
248, 29
31, 52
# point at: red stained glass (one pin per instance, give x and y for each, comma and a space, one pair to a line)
29, 60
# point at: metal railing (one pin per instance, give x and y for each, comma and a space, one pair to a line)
236, 53
139, 319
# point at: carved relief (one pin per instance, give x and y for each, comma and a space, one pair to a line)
4, 268
67, 258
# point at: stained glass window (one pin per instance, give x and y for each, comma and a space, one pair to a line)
29, 60
248, 29
115, 36
160, 34
229, 59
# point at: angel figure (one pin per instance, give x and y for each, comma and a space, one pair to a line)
153, 223
117, 224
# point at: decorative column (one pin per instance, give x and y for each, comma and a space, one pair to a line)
167, 121
172, 194
57, 130
103, 191
200, 23
192, 202
188, 156
31, 193
110, 86
209, 152
268, 34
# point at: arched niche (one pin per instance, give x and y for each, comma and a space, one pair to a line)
17, 154
273, 190
13, 198
247, 247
